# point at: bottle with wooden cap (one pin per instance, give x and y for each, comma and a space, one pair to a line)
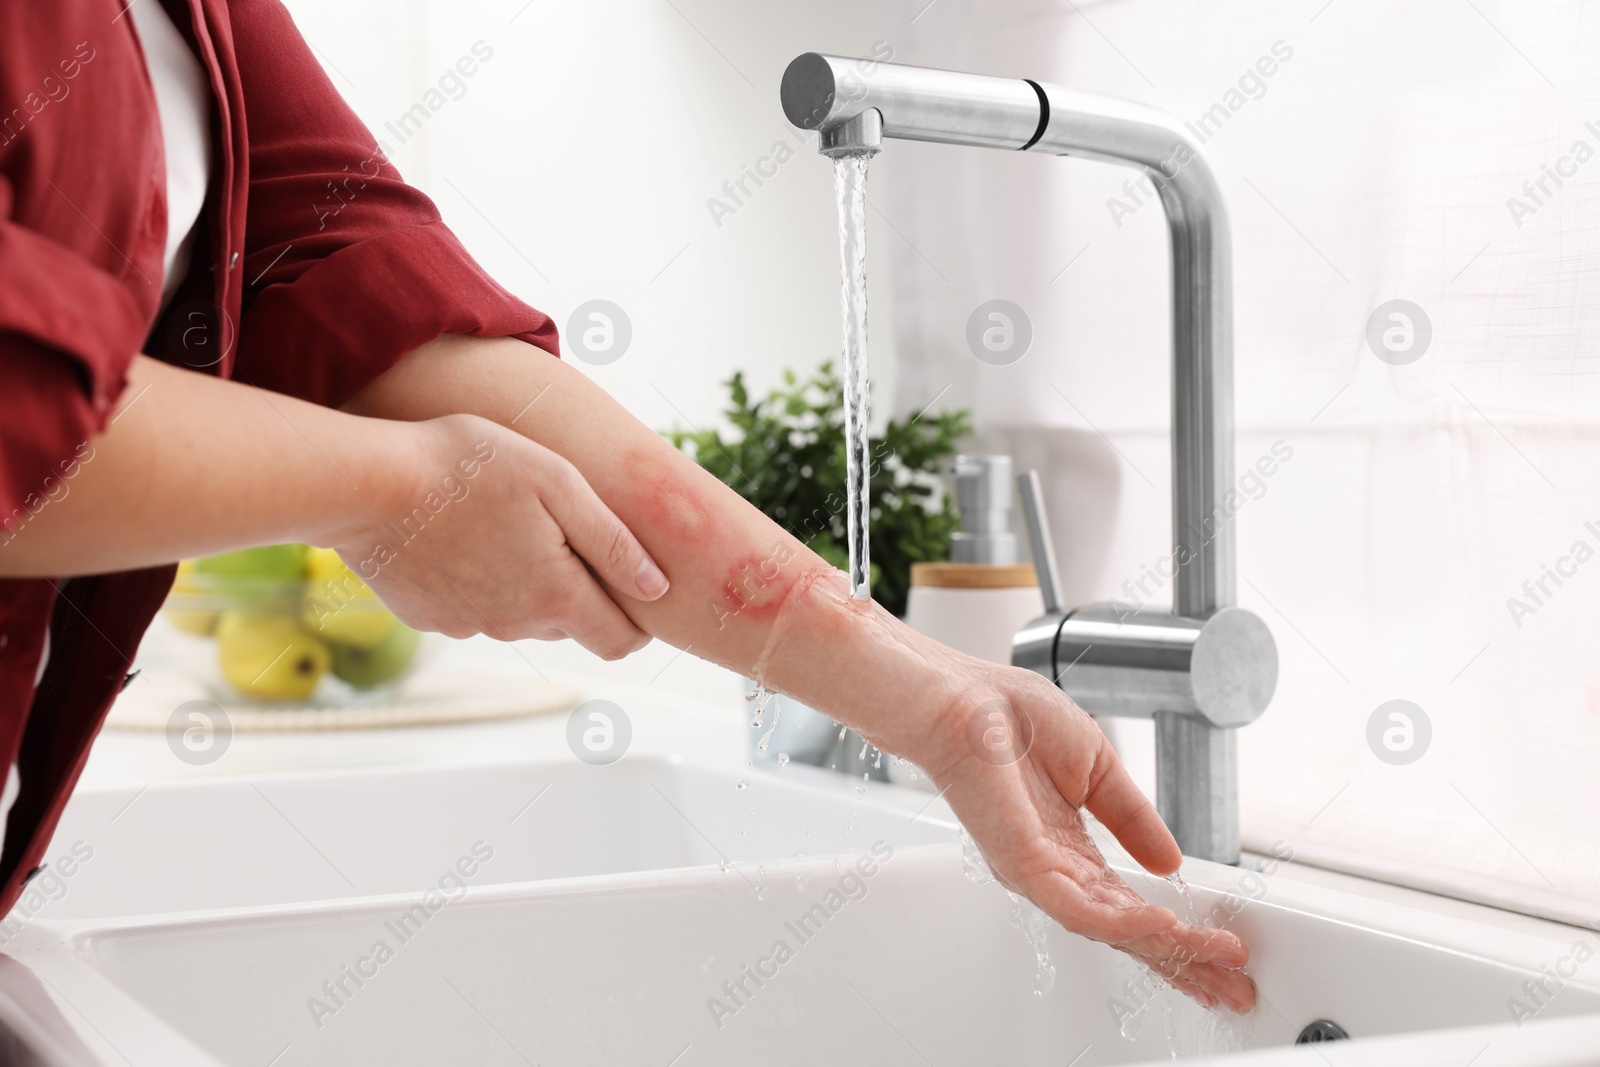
982, 596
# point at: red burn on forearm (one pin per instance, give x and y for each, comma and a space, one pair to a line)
756, 585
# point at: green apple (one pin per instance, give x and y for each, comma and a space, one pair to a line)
368, 668
280, 563
270, 656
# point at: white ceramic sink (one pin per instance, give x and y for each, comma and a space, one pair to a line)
206, 845
217, 923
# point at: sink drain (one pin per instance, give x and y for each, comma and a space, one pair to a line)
1321, 1030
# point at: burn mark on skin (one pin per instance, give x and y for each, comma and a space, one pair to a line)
796, 590
682, 502
683, 505
756, 585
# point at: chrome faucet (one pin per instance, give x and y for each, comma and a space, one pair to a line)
1209, 667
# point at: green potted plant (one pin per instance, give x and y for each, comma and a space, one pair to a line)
787, 457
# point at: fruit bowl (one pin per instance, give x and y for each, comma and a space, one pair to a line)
288, 624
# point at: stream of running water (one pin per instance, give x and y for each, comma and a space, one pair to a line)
850, 186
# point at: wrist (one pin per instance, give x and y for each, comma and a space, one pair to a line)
381, 475
863, 667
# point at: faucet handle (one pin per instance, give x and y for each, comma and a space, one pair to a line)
1044, 553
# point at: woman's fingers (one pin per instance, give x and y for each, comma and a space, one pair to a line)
1208, 982
594, 532
1113, 918
1200, 958
1233, 988
1200, 961
1128, 814
586, 614
1205, 944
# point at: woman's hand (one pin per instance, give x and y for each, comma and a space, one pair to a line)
501, 536
1017, 760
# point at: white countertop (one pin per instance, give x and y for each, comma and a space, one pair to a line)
677, 703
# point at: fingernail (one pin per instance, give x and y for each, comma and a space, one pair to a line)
1233, 1005
651, 582
1206, 999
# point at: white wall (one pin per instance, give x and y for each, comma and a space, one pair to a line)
1376, 164
579, 162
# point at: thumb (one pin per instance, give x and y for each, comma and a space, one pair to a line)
595, 533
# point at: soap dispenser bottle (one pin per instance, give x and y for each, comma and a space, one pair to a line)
982, 596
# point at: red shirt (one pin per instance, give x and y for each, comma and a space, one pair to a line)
282, 292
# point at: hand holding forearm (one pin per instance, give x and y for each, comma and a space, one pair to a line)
191, 465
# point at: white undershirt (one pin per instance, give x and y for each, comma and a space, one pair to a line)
183, 101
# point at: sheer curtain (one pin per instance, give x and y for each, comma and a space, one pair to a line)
1431, 529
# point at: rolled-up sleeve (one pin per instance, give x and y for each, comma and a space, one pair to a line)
47, 289
69, 328
346, 267
79, 259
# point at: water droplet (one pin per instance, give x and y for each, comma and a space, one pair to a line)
766, 738
1035, 926
763, 697
1182, 887
972, 862
743, 783
783, 759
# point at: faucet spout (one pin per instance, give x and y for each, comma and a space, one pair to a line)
830, 93
859, 135
1210, 667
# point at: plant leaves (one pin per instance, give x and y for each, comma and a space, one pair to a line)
789, 461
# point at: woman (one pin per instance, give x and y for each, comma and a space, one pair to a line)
197, 356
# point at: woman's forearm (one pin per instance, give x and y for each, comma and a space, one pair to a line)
745, 593
191, 464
